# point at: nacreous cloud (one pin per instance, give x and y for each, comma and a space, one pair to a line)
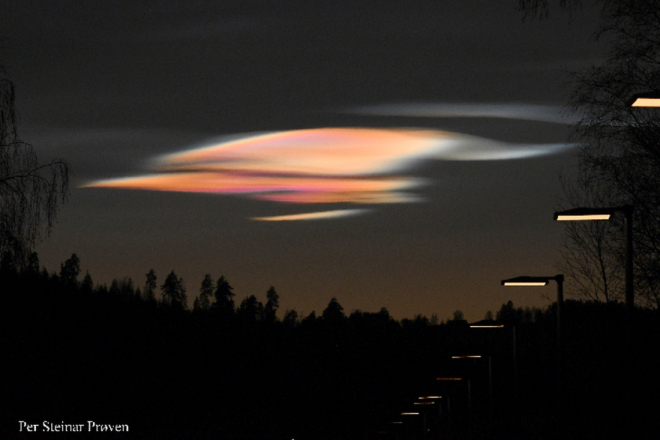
528, 112
324, 165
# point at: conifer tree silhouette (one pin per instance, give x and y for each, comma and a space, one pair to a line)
174, 291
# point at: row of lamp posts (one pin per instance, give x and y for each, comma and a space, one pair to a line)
647, 99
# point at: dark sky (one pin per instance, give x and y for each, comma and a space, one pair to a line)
114, 86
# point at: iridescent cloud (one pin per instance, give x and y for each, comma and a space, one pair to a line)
313, 215
528, 112
325, 165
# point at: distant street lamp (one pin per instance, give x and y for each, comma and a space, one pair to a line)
431, 400
527, 281
490, 379
454, 379
492, 324
424, 430
645, 99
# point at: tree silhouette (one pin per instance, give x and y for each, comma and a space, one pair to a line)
203, 301
250, 309
272, 304
174, 291
334, 312
127, 287
87, 283
290, 318
224, 302
32, 267
150, 286
70, 269
114, 287
30, 192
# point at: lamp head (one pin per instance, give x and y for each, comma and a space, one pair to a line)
584, 214
526, 281
645, 99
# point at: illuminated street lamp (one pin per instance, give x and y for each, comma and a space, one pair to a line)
415, 413
492, 324
645, 99
543, 281
585, 214
578, 214
490, 379
526, 281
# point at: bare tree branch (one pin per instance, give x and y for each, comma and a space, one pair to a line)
30, 192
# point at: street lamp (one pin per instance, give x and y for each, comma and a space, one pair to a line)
578, 214
527, 281
490, 323
645, 99
415, 413
490, 379
585, 214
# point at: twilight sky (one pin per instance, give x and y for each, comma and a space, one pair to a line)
389, 154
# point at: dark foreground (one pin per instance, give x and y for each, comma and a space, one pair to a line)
72, 356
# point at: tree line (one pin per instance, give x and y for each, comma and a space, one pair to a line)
122, 354
217, 297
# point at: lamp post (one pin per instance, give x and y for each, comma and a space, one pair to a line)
490, 373
527, 281
417, 413
589, 214
454, 379
586, 214
490, 324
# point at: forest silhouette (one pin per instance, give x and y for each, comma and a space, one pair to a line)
74, 351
